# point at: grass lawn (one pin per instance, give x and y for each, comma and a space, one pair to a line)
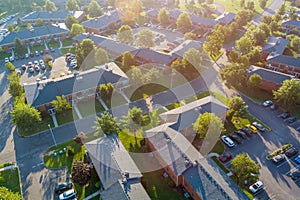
145, 91
257, 95
54, 44
221, 97
159, 188
41, 126
90, 107
67, 42
3, 55
10, 179
216, 160
240, 122
131, 143
117, 100
67, 50
196, 97
173, 105
38, 47
66, 116
219, 147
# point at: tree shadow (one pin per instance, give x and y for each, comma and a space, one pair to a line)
5, 122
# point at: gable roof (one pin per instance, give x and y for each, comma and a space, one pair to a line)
131, 190
294, 23
54, 15
226, 18
182, 117
269, 75
202, 20
185, 46
275, 44
46, 91
154, 56
33, 33
182, 157
285, 60
102, 21
111, 160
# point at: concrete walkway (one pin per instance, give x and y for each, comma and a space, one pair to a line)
8, 167
77, 111
28, 49
103, 104
125, 97
92, 195
45, 44
54, 120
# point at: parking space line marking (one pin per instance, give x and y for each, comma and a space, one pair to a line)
285, 162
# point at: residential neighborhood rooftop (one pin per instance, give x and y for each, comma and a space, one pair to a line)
283, 59
54, 15
275, 44
185, 46
226, 18
103, 21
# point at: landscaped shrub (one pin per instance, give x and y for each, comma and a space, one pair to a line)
10, 66
275, 153
286, 146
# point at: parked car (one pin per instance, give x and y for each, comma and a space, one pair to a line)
41, 52
30, 64
52, 49
24, 67
41, 61
277, 159
291, 151
26, 55
225, 157
44, 77
18, 72
267, 103
284, 115
273, 107
43, 67
259, 126
292, 119
63, 187
252, 128
31, 70
69, 194
235, 138
36, 53
46, 51
6, 60
36, 62
256, 187
295, 174
37, 68
227, 141
11, 59
247, 131
241, 134
31, 55
297, 159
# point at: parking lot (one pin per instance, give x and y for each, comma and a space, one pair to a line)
278, 185
59, 68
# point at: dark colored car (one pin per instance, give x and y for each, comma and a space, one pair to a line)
225, 157
292, 119
31, 54
284, 115
291, 151
16, 57
277, 159
235, 138
24, 67
46, 51
22, 57
295, 174
63, 187
247, 131
52, 49
41, 52
241, 134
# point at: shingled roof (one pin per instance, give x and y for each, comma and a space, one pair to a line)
60, 15
275, 44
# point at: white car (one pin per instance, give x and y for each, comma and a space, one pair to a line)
41, 62
69, 194
267, 103
6, 60
227, 141
256, 187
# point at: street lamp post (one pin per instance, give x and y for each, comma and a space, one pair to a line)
52, 135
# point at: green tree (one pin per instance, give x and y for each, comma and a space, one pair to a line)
208, 123
134, 120
236, 104
254, 56
258, 36
106, 91
11, 28
190, 36
145, 38
233, 73
233, 56
265, 28
254, 81
152, 75
28, 26
163, 16
262, 4
295, 44
289, 93
94, 9
15, 88
135, 76
192, 57
244, 168
81, 173
83, 50
250, 5
243, 17
106, 123
20, 48
61, 104
49, 6
70, 20
214, 42
127, 60
24, 116
5, 194
125, 34
19, 22
72, 5
242, 3
244, 44
39, 22
101, 56
76, 30
184, 22
10, 66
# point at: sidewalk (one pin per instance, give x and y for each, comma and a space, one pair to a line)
8, 167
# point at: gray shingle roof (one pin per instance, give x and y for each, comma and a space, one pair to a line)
295, 23
33, 33
45, 92
185, 46
269, 75
55, 15
103, 21
275, 44
154, 56
285, 60
185, 115
131, 190
226, 18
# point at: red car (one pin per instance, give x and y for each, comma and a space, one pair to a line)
225, 157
